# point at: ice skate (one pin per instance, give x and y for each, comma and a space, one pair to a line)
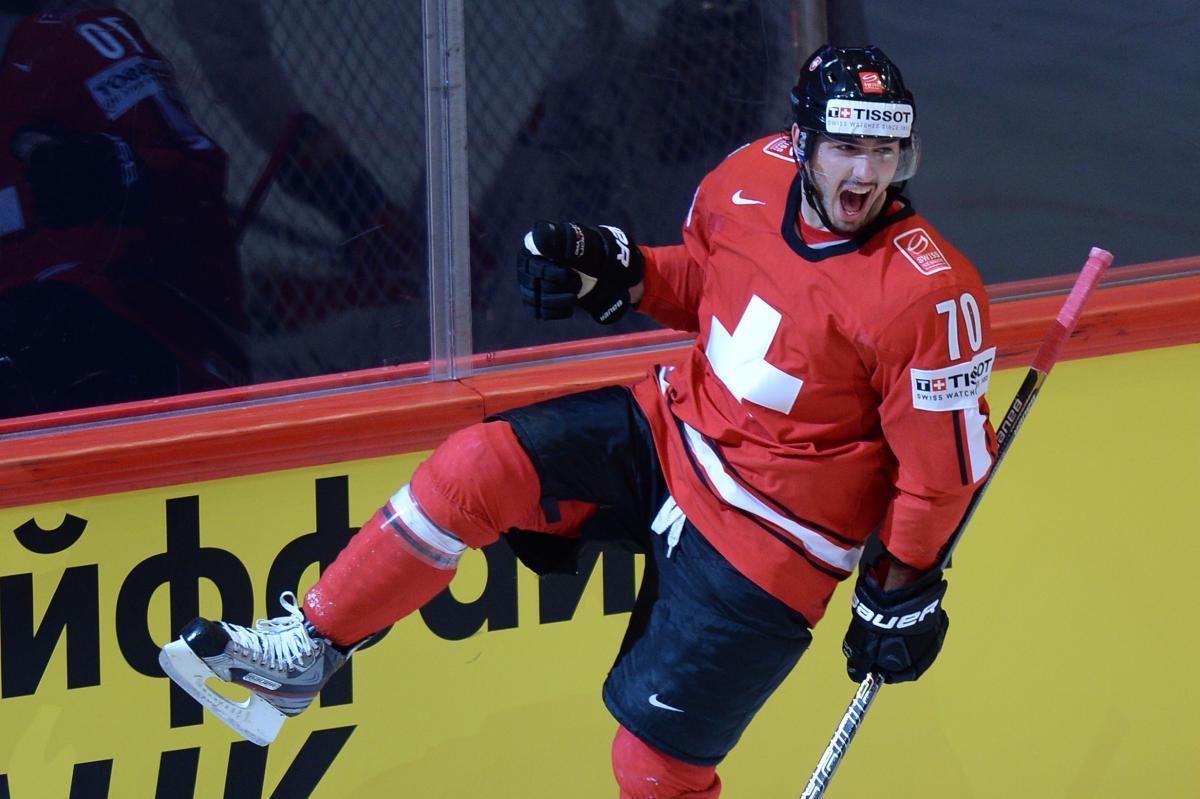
283, 661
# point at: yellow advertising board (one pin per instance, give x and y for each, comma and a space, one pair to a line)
1066, 672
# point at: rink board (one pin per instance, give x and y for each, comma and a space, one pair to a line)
1065, 673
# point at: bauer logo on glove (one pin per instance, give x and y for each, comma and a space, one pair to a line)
895, 634
889, 622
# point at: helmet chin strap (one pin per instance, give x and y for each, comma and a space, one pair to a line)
806, 180
812, 197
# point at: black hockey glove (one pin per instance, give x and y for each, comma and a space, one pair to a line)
563, 264
81, 178
898, 633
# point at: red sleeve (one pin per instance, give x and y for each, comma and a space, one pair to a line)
674, 280
673, 283
932, 371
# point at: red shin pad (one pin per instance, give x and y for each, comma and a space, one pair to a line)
478, 483
643, 772
376, 580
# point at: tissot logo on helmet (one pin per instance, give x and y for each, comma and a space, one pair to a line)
858, 118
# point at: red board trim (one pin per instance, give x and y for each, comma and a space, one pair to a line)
353, 416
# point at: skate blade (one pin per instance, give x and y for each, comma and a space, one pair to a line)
255, 719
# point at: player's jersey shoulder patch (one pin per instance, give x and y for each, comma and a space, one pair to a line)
779, 147
919, 247
953, 388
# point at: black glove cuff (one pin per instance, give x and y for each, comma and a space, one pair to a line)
910, 610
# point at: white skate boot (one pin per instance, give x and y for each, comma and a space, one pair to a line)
283, 661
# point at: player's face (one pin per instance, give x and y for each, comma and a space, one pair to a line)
852, 178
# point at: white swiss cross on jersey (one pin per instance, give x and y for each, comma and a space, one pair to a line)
740, 359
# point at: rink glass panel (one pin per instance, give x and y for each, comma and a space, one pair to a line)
334, 260
1041, 138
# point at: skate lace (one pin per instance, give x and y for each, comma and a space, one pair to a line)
276, 643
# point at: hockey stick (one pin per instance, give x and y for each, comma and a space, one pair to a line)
1061, 329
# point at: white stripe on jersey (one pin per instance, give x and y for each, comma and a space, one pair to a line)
731, 491
981, 459
820, 245
688, 222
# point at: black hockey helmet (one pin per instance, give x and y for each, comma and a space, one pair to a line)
853, 93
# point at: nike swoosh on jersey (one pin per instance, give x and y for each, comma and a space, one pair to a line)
654, 701
738, 199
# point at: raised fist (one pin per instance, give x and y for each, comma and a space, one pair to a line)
564, 264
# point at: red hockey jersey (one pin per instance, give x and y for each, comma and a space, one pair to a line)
175, 272
832, 389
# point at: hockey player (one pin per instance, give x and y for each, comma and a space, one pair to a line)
118, 275
836, 387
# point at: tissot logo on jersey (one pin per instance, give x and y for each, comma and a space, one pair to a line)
921, 251
858, 118
123, 85
954, 387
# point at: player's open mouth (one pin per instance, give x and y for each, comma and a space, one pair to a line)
853, 202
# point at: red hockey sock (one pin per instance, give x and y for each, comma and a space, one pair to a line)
644, 772
385, 573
